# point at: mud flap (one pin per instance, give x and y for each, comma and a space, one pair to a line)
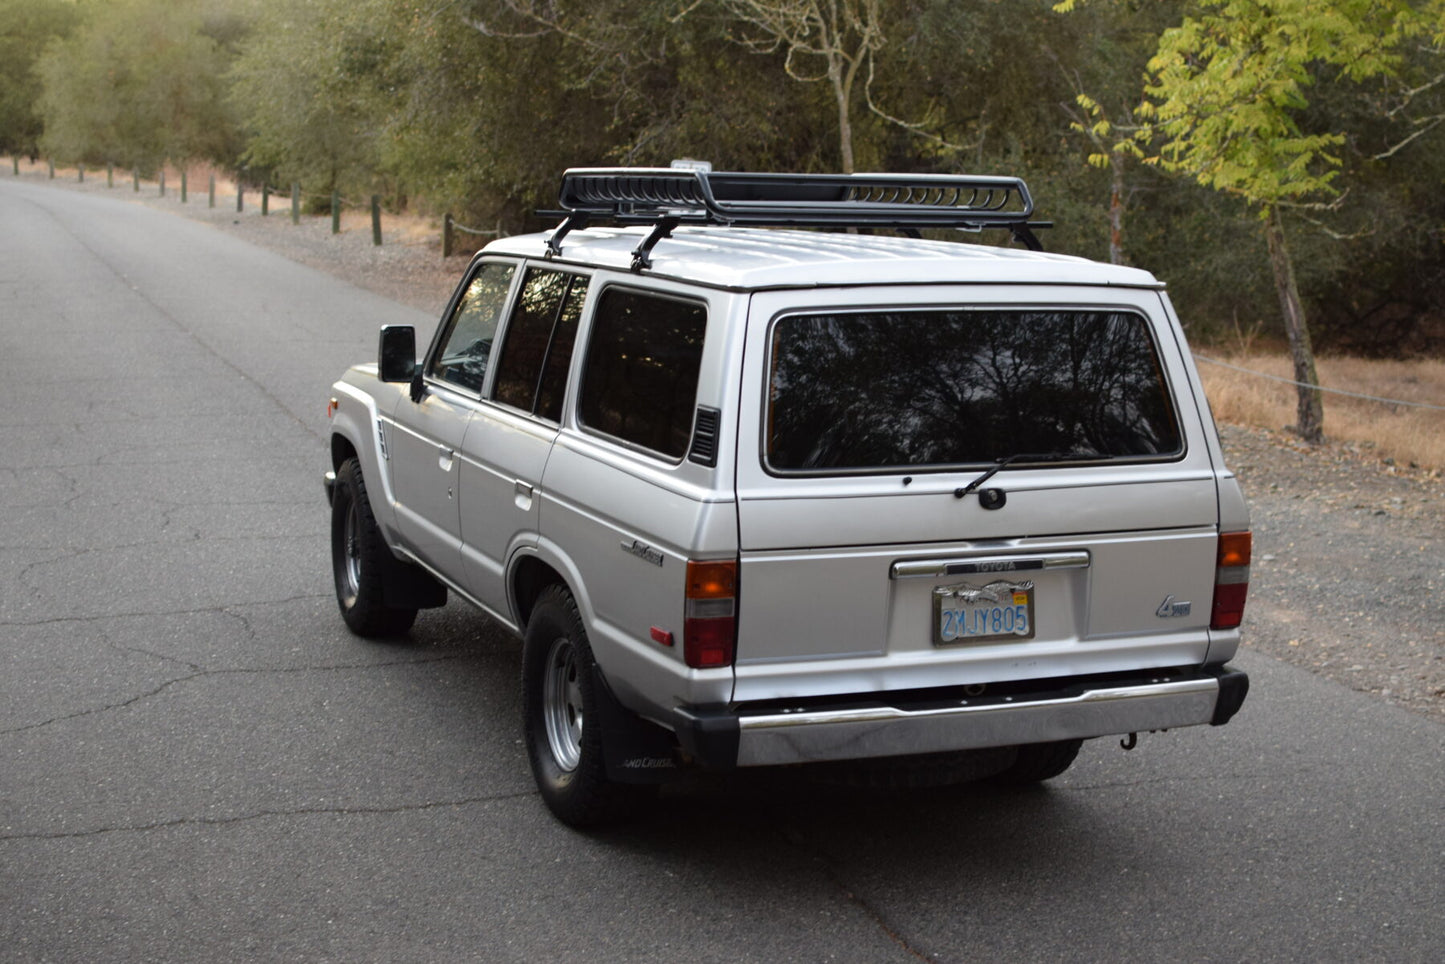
409, 586
635, 750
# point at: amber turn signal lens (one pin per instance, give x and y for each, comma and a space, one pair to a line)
712, 580
1235, 548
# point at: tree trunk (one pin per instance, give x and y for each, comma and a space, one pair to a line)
1311, 417
1116, 208
842, 95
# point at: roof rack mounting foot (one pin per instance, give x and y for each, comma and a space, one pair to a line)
641, 258
575, 220
1024, 234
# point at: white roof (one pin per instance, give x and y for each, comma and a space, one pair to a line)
751, 258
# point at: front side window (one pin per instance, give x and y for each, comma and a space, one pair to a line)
880, 390
639, 381
467, 347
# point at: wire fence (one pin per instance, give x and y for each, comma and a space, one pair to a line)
1332, 391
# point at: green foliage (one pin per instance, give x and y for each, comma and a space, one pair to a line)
1230, 86
475, 106
138, 82
310, 87
26, 26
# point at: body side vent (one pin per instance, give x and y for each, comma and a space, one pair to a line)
704, 436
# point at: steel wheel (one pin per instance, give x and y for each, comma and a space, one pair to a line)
352, 551
562, 712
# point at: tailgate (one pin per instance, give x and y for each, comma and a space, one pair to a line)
867, 562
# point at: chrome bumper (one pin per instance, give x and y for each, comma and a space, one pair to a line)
744, 737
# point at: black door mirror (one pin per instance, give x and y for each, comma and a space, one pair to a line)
397, 355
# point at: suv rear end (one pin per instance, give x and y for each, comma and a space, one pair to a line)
974, 515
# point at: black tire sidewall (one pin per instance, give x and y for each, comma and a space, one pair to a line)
368, 615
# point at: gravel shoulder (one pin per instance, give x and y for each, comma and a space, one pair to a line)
1348, 579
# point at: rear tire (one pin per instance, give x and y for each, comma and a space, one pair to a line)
1037, 762
561, 721
360, 559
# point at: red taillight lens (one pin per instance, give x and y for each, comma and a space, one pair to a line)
709, 630
1231, 580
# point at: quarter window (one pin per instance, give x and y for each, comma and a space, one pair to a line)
468, 344
908, 389
639, 381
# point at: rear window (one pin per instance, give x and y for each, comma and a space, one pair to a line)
880, 390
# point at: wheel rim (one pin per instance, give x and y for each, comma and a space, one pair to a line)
562, 705
351, 556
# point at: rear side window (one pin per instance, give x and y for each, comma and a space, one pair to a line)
537, 350
865, 391
639, 381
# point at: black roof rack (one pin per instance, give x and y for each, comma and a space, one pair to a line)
667, 197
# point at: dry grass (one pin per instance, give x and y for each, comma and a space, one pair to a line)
1404, 434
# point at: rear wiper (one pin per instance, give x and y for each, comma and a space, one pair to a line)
1007, 460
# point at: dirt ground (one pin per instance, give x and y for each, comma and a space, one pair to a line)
1348, 579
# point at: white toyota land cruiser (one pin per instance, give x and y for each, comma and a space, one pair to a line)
760, 497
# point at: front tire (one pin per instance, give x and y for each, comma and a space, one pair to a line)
561, 721
360, 559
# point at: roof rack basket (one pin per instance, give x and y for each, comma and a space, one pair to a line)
667, 197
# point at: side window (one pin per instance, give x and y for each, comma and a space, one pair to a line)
462, 359
639, 380
537, 348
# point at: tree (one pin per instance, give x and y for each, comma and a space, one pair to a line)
26, 27
1224, 107
832, 40
312, 86
140, 81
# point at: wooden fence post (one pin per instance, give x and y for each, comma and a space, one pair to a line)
109, 174
51, 162
265, 198
80, 173
240, 193
335, 211
163, 182
211, 193
135, 179
183, 187
295, 203
15, 162
376, 220
447, 235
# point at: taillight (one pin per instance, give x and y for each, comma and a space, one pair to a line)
709, 629
1231, 580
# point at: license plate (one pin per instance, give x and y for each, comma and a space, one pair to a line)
966, 613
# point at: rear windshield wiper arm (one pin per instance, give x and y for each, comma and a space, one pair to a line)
1007, 460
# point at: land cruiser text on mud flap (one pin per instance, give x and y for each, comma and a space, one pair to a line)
758, 497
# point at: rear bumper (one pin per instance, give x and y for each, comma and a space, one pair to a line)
935, 722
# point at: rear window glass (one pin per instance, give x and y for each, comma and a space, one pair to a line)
863, 391
639, 380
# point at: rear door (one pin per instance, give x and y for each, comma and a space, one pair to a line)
873, 557
510, 436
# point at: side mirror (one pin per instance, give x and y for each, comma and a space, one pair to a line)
396, 358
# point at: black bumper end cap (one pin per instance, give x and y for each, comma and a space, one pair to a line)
1233, 687
708, 735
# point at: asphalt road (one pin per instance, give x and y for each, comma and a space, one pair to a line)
198, 763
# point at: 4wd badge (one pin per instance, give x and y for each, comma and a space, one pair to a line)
1168, 609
